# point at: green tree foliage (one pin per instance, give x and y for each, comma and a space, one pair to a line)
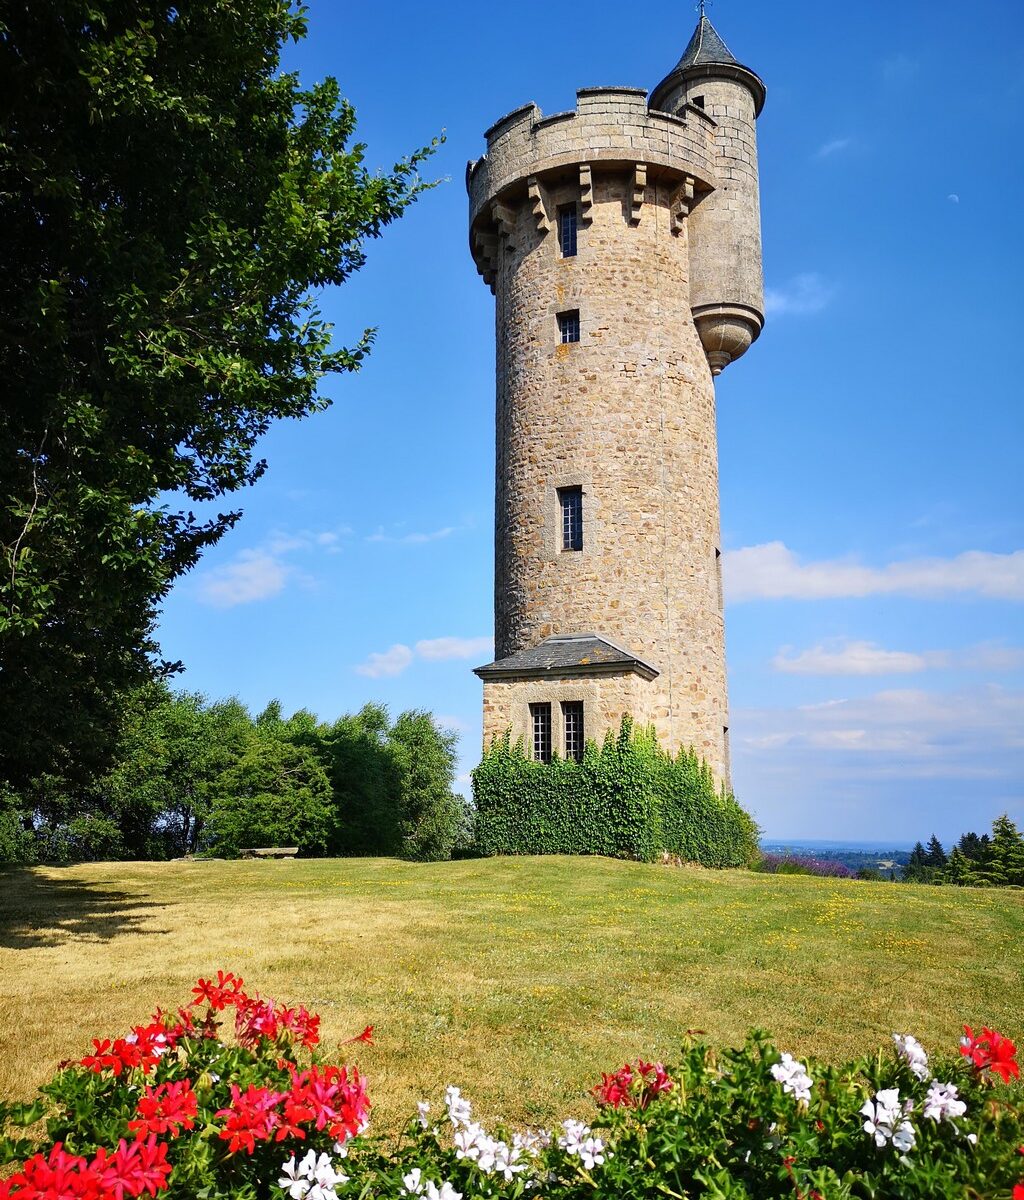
171, 201
935, 855
197, 777
276, 794
995, 860
626, 799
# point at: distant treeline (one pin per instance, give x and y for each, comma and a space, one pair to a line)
995, 860
195, 777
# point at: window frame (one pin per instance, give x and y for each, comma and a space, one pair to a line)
568, 322
540, 726
570, 518
568, 214
574, 741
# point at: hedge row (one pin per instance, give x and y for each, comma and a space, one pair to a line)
628, 798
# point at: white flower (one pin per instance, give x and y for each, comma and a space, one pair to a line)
308, 1164
903, 1138
293, 1179
411, 1182
423, 1107
972, 1138
444, 1192
341, 1150
506, 1161
466, 1141
913, 1054
532, 1141
487, 1153
591, 1152
574, 1135
794, 1078
885, 1121
942, 1103
459, 1109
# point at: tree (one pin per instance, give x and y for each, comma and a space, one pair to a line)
277, 794
1004, 863
916, 867
170, 202
935, 855
430, 815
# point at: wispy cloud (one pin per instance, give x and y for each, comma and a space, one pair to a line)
849, 658
802, 295
254, 575
439, 649
260, 572
413, 539
953, 198
899, 68
834, 146
845, 657
773, 571
399, 657
386, 663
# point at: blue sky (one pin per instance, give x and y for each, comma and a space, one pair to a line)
870, 442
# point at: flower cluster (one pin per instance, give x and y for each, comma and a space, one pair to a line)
142, 1048
256, 1018
794, 1078
886, 1120
634, 1085
312, 1178
943, 1103
415, 1185
168, 1108
992, 1052
577, 1139
131, 1169
913, 1054
473, 1143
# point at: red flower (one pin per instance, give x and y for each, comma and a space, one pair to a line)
991, 1051
133, 1168
168, 1108
633, 1085
226, 991
1018, 1191
330, 1098
366, 1036
57, 1176
251, 1117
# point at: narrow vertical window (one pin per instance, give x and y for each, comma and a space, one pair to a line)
570, 502
569, 326
572, 716
540, 715
718, 580
567, 231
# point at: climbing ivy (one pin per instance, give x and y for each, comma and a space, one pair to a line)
628, 798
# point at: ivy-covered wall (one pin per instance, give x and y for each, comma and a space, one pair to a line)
626, 799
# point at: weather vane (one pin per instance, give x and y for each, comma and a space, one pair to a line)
702, 4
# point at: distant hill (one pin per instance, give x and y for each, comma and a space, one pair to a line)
878, 856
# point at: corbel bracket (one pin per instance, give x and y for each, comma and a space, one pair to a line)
485, 255
639, 192
586, 194
505, 219
537, 206
680, 204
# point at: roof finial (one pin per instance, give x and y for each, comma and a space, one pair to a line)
701, 5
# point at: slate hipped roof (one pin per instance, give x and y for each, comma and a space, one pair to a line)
569, 654
707, 55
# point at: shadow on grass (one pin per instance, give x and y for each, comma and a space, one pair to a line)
44, 910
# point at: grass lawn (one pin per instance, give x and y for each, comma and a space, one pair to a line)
518, 979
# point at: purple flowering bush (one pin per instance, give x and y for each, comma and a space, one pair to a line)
803, 864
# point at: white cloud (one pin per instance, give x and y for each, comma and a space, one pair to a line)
254, 575
412, 539
442, 648
833, 147
773, 571
450, 721
850, 658
262, 571
804, 294
953, 198
390, 662
845, 657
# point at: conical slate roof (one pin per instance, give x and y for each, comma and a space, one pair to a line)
705, 47
707, 55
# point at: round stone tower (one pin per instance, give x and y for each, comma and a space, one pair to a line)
622, 244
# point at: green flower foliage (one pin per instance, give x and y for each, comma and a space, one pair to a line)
627, 799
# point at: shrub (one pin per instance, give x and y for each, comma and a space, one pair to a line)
628, 799
802, 864
179, 1110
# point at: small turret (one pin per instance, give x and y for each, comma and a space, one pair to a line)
726, 286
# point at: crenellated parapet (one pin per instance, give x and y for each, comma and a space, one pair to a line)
611, 129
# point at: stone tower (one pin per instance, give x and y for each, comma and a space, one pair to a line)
622, 243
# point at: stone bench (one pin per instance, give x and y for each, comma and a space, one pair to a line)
269, 852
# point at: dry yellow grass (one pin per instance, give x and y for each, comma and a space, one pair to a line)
519, 979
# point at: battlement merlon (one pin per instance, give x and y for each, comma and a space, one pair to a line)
611, 127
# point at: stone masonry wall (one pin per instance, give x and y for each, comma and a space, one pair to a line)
606, 700
628, 414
